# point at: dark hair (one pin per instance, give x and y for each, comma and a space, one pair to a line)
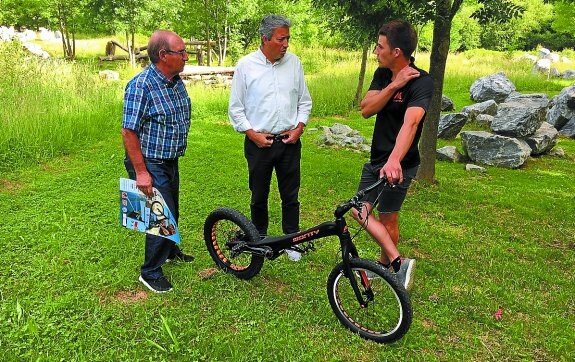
400, 34
271, 22
158, 41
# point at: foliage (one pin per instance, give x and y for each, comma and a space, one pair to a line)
359, 20
547, 37
497, 11
47, 108
564, 17
465, 32
508, 35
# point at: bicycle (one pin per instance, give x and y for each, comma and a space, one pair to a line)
372, 303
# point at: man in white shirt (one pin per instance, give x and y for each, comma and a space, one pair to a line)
270, 104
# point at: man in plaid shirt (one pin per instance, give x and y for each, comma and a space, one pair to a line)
155, 125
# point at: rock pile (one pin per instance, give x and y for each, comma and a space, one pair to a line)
543, 63
343, 136
521, 125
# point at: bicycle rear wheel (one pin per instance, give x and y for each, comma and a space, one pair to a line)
225, 229
387, 316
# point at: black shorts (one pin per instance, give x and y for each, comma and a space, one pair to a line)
391, 198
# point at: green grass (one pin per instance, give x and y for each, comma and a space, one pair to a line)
68, 282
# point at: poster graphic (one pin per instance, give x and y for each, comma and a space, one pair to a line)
146, 215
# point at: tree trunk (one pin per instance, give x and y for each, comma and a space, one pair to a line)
439, 52
73, 45
361, 79
133, 47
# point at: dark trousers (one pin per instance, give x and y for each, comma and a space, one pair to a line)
166, 179
285, 158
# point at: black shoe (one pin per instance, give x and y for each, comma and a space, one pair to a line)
160, 285
181, 257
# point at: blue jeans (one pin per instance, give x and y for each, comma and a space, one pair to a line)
166, 179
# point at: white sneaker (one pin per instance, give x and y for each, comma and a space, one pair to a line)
293, 255
405, 273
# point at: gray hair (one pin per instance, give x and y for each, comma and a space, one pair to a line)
271, 22
158, 41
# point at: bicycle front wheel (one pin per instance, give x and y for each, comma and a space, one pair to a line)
386, 317
226, 229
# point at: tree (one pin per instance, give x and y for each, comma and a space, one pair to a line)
30, 13
564, 17
132, 17
66, 14
445, 10
360, 21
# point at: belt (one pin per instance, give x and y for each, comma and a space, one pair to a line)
277, 137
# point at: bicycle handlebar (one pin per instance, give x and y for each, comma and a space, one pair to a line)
355, 200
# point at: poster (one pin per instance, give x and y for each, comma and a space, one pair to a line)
146, 215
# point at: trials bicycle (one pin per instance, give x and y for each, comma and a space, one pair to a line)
366, 298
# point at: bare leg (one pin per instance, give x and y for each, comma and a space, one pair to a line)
378, 232
391, 222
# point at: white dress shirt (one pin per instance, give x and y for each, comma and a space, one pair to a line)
266, 97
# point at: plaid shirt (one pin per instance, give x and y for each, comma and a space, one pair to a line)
159, 111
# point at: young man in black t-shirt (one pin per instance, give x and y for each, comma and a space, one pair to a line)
399, 94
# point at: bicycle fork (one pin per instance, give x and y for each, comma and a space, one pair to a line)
349, 251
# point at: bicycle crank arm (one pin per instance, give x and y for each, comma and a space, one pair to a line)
244, 248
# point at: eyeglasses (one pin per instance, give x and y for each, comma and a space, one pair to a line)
182, 53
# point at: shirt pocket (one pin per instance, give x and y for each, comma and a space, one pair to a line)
162, 109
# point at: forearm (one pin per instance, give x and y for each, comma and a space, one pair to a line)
133, 150
403, 142
374, 101
406, 134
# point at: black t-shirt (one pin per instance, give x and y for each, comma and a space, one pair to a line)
416, 93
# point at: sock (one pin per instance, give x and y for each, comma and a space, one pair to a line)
385, 265
395, 264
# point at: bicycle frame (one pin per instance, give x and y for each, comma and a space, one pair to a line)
273, 246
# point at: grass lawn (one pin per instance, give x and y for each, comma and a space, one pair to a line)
503, 240
69, 286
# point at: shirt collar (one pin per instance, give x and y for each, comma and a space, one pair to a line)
264, 59
166, 81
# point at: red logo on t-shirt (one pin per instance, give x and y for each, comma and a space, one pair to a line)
398, 97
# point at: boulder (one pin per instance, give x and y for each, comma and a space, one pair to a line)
450, 125
520, 117
496, 87
569, 74
557, 152
554, 57
544, 52
484, 119
446, 104
528, 57
488, 107
342, 129
495, 150
539, 98
340, 135
542, 66
562, 110
543, 140
36, 50
109, 75
449, 153
568, 129
474, 168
